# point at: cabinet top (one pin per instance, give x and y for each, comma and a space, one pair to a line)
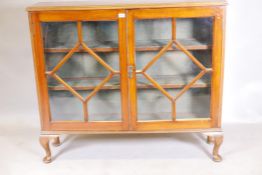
47, 6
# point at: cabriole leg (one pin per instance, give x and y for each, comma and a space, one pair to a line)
217, 143
44, 141
209, 139
56, 141
217, 139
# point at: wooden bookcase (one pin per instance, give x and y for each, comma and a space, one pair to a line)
134, 68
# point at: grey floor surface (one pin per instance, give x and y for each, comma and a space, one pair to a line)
180, 154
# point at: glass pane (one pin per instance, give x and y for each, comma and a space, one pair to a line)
75, 69
170, 74
101, 35
195, 103
151, 103
105, 106
152, 31
64, 106
59, 34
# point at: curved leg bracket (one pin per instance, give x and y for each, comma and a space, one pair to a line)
44, 141
56, 141
217, 139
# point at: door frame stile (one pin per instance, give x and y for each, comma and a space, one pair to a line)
122, 38
131, 62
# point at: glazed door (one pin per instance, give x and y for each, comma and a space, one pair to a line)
84, 78
175, 68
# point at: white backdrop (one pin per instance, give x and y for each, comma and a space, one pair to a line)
242, 86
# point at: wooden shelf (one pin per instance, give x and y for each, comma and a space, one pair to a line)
152, 45
145, 116
80, 83
115, 87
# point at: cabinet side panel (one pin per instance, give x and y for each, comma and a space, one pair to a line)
218, 67
39, 67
